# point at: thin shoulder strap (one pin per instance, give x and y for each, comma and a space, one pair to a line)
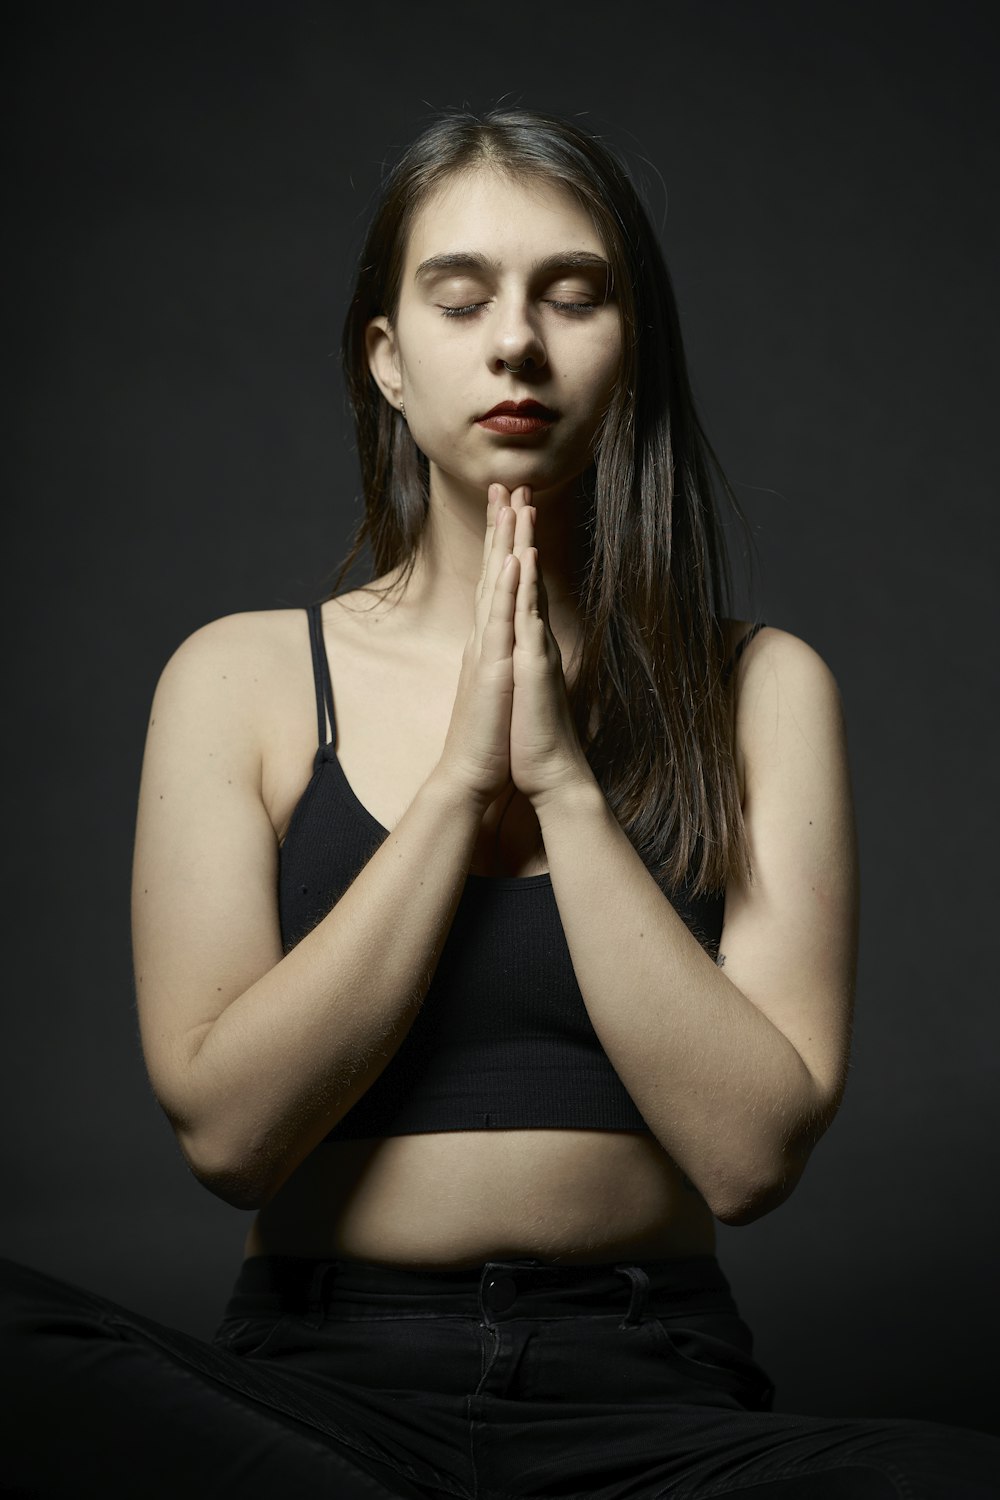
730, 664
321, 676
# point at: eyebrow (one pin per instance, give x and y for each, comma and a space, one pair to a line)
470, 261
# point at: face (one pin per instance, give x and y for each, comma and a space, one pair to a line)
496, 270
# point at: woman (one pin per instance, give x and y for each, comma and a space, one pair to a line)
546, 965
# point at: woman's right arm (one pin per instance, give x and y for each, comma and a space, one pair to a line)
253, 1056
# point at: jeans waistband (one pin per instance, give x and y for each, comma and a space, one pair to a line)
497, 1290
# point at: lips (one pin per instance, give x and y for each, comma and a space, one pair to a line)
514, 419
533, 409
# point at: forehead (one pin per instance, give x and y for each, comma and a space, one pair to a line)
511, 221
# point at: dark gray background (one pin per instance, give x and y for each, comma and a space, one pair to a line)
188, 188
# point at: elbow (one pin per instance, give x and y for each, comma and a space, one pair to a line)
247, 1179
765, 1182
234, 1190
742, 1199
753, 1203
235, 1185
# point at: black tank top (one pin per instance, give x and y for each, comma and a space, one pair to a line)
502, 1040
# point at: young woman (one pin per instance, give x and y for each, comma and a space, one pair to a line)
541, 960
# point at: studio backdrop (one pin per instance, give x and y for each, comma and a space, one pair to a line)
187, 191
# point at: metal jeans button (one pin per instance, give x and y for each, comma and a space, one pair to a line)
501, 1293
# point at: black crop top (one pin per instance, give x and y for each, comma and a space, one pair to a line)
502, 1040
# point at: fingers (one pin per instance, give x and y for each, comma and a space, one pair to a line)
510, 522
492, 498
531, 610
528, 606
524, 531
501, 546
518, 499
498, 627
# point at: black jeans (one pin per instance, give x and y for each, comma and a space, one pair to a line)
517, 1379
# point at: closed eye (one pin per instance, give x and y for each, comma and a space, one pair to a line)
474, 307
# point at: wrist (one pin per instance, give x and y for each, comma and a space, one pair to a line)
453, 797
579, 791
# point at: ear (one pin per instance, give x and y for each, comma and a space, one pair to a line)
383, 359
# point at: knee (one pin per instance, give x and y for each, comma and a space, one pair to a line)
935, 1460
32, 1303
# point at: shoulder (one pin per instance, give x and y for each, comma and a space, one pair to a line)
230, 669
246, 640
787, 701
779, 649
788, 707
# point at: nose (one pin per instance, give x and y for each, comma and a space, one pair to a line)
516, 342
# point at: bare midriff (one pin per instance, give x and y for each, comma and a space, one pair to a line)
461, 1198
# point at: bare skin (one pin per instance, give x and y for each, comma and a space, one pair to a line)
452, 1198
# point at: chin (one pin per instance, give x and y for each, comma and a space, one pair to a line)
512, 470
545, 467
514, 475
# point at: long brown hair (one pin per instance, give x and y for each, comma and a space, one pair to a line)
657, 582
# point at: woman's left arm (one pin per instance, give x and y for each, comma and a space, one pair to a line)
738, 1066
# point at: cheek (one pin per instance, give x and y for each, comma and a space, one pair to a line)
592, 364
603, 368
612, 352
424, 345
439, 399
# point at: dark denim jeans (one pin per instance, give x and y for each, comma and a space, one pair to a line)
517, 1379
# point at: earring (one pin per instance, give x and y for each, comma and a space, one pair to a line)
402, 411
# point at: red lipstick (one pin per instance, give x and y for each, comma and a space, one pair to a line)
518, 418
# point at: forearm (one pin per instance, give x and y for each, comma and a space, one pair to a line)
723, 1090
290, 1056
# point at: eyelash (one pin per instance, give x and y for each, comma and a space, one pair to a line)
577, 309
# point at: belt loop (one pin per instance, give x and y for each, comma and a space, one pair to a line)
315, 1299
639, 1283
